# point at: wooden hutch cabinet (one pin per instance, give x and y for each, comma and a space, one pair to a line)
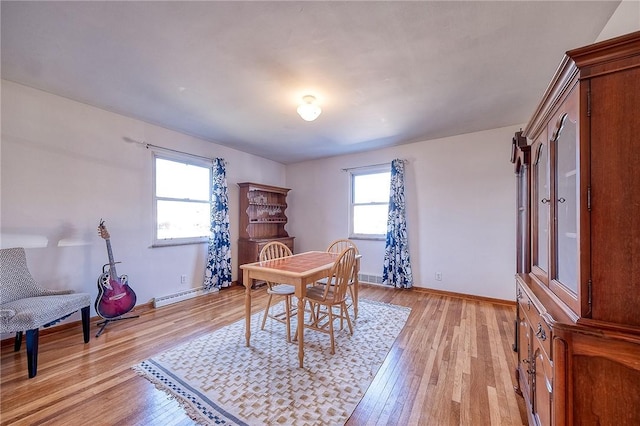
262, 219
577, 166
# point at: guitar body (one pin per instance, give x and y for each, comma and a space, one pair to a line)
115, 297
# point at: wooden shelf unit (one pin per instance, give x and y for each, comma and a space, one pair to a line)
262, 219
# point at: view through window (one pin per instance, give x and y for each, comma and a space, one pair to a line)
370, 202
182, 200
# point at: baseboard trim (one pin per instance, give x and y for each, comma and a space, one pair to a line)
464, 296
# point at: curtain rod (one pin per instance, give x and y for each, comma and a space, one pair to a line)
150, 145
371, 165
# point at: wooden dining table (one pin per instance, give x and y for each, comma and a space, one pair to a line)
299, 271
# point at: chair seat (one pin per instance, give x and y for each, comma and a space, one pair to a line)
282, 289
317, 293
323, 281
33, 312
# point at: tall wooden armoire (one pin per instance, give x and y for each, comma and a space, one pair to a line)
578, 229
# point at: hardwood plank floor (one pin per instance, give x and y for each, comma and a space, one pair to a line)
451, 365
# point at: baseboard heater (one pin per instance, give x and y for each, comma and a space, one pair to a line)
177, 297
373, 279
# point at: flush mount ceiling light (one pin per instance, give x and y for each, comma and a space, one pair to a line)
309, 109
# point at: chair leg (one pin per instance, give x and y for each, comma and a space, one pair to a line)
333, 345
314, 313
266, 311
86, 326
287, 309
32, 352
18, 341
354, 301
344, 305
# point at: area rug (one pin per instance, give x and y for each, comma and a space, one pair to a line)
218, 380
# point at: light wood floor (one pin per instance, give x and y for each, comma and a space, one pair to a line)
451, 365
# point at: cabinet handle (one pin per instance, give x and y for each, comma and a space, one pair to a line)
519, 294
561, 200
540, 333
545, 201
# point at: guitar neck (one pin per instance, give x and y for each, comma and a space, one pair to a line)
112, 263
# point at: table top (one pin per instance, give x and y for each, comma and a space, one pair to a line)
298, 264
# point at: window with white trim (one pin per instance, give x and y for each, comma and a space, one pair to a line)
181, 200
369, 206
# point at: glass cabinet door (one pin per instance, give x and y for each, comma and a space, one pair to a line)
522, 238
541, 198
566, 196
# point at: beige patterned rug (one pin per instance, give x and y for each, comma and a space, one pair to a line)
218, 380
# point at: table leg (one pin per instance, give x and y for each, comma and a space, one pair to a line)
301, 331
356, 288
247, 306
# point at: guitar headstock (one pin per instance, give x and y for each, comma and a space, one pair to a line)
102, 230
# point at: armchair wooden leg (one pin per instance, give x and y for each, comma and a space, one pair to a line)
86, 326
32, 352
18, 341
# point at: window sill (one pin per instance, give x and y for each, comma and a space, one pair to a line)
367, 238
176, 243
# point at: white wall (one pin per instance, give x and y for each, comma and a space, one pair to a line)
460, 202
625, 19
460, 194
65, 166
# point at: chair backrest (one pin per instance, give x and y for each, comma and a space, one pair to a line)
338, 246
274, 250
16, 281
341, 274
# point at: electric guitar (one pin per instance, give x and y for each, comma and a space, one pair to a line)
115, 297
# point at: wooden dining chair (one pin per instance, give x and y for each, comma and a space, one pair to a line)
324, 299
276, 250
338, 246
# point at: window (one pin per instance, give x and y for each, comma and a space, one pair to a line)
181, 200
370, 202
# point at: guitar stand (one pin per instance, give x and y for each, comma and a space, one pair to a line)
107, 321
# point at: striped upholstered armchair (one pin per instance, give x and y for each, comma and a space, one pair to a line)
25, 306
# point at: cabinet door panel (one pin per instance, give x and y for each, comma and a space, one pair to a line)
523, 238
615, 188
566, 201
524, 337
565, 192
541, 201
543, 390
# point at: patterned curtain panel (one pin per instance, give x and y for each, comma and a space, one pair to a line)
397, 265
218, 272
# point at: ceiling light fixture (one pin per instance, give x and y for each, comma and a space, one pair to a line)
309, 110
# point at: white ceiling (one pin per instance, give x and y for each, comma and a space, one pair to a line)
386, 73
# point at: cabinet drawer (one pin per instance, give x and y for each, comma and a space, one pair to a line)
542, 333
539, 328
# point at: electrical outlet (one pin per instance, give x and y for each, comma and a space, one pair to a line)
183, 279
438, 276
